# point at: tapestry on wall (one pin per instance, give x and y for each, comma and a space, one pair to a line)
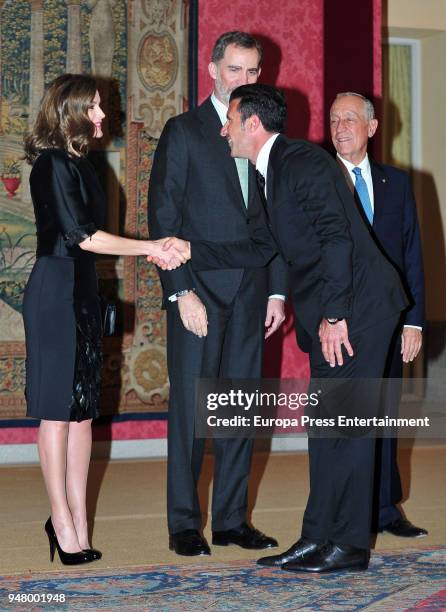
138, 51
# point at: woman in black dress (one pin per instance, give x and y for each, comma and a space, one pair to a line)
61, 307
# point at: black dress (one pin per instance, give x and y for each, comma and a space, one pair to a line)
61, 308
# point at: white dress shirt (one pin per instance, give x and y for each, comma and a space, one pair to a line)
221, 108
263, 158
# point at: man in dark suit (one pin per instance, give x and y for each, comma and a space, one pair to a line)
347, 299
215, 320
386, 201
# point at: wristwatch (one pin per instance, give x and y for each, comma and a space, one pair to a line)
333, 321
182, 292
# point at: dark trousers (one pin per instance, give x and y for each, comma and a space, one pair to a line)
232, 349
388, 491
339, 507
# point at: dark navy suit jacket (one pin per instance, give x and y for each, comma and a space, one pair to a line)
195, 194
395, 225
397, 233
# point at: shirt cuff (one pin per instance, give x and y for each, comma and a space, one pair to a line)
277, 296
414, 327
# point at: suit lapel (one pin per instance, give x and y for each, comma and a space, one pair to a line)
273, 162
252, 184
379, 190
347, 175
270, 184
218, 146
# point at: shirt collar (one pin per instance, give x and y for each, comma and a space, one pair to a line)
263, 156
221, 108
364, 164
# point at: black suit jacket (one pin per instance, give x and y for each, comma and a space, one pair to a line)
195, 193
336, 268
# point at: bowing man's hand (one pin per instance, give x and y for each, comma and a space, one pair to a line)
332, 337
168, 253
181, 247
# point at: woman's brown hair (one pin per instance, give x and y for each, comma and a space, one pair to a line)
62, 120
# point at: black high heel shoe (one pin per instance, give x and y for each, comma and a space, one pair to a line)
78, 558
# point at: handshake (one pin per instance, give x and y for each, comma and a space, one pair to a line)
168, 253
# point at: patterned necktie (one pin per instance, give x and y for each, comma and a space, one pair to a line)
261, 185
363, 194
242, 170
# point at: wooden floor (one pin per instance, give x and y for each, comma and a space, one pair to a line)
127, 501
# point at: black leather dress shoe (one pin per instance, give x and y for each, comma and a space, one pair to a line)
404, 529
331, 558
296, 552
188, 543
245, 536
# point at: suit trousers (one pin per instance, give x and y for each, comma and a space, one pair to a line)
339, 507
388, 490
233, 348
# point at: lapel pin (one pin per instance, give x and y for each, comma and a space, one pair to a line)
384, 180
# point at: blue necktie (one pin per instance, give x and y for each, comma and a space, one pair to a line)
363, 193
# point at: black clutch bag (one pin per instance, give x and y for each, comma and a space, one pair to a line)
108, 312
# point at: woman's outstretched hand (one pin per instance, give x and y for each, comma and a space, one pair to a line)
169, 253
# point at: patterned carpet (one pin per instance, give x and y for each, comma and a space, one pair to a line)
406, 580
